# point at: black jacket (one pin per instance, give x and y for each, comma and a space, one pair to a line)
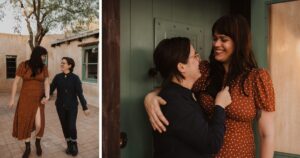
68, 89
190, 133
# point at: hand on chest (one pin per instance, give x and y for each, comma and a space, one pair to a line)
242, 107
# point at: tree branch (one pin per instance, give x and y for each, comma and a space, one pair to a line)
43, 33
34, 6
39, 9
30, 41
67, 9
46, 14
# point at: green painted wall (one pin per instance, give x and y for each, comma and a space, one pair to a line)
259, 31
259, 39
137, 44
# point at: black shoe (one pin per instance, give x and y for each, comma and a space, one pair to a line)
74, 148
38, 147
68, 150
27, 150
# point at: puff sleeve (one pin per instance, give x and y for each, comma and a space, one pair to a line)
45, 71
21, 70
264, 95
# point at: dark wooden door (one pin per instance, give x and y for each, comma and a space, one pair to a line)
110, 78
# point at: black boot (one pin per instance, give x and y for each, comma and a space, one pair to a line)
38, 146
69, 145
27, 150
74, 148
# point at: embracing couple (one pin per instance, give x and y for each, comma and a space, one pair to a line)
206, 109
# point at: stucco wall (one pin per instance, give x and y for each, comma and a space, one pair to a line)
11, 45
17, 45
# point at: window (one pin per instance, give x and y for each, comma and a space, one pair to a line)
11, 66
90, 63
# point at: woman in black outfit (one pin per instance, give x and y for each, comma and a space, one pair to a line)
191, 133
68, 87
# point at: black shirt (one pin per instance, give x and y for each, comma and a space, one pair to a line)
190, 133
68, 88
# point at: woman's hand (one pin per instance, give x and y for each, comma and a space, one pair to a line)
86, 112
11, 103
152, 104
223, 98
45, 100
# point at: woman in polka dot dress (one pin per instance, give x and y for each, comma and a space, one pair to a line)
232, 64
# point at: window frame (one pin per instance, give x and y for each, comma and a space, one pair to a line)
6, 65
85, 65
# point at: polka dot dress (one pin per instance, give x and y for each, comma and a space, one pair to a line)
239, 136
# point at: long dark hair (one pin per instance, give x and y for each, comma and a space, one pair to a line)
242, 60
167, 54
35, 62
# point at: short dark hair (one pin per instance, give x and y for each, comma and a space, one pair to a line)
70, 61
168, 53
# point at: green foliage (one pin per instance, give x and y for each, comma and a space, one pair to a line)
66, 14
2, 13
42, 16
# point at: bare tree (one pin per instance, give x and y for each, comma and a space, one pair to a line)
41, 16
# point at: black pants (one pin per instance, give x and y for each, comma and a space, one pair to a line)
68, 119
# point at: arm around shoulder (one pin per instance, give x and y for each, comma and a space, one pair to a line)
191, 126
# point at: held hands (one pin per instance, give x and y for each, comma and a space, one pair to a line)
152, 104
87, 112
45, 100
223, 98
11, 103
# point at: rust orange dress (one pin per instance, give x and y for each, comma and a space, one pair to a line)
239, 136
30, 99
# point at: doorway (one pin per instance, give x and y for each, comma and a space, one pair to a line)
284, 57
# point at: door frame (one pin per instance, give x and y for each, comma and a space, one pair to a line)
111, 78
267, 10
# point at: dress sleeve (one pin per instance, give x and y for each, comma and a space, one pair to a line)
264, 95
201, 83
46, 73
21, 70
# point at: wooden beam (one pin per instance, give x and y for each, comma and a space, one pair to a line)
88, 44
111, 79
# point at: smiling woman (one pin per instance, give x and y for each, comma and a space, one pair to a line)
223, 46
232, 63
68, 87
